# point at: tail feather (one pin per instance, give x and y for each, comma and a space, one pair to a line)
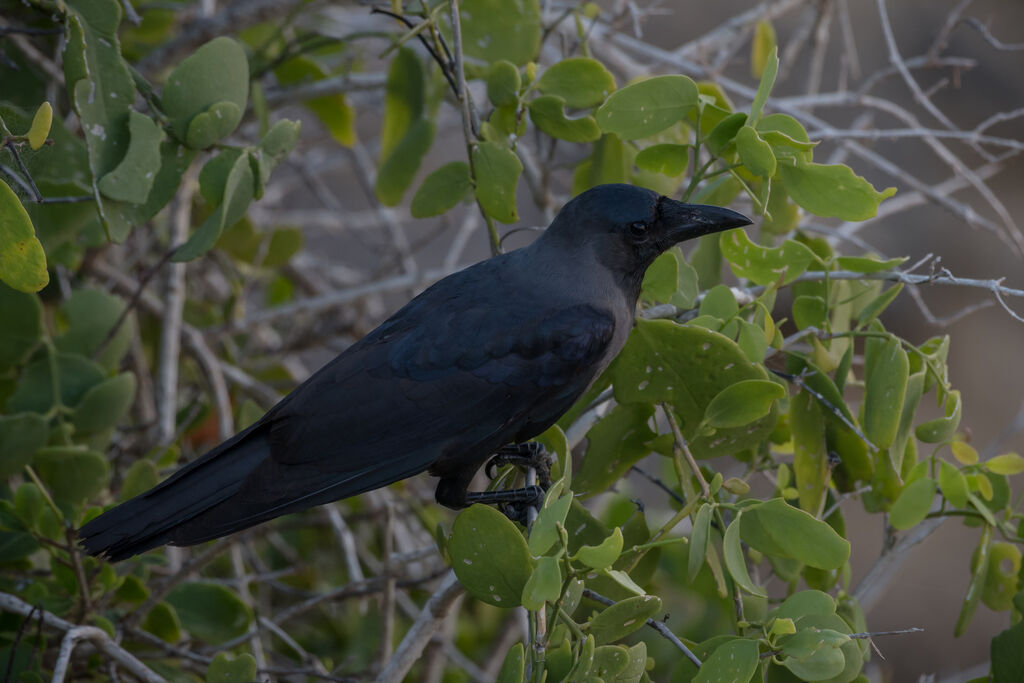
152, 518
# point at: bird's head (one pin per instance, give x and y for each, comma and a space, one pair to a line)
627, 227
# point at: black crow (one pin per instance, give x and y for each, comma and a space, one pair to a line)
478, 364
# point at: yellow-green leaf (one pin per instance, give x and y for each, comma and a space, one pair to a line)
22, 260
1007, 463
761, 47
40, 127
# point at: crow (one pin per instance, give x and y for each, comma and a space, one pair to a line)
475, 366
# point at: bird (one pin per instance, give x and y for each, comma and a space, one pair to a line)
475, 366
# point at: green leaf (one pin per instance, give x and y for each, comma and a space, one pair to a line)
647, 107
544, 532
544, 584
102, 91
755, 153
1007, 654
404, 100
503, 83
942, 429
744, 402
489, 556
608, 164
40, 127
735, 661
493, 30
832, 191
228, 669
953, 484
513, 668
23, 325
764, 88
761, 47
284, 244
886, 371
878, 304
719, 302
686, 367
698, 541
162, 621
397, 172
809, 311
979, 571
810, 462
548, 113
210, 612
580, 81
274, 146
609, 660
1001, 580
913, 505
604, 555
21, 435
619, 620
132, 179
765, 265
73, 475
776, 528
140, 477
206, 94
661, 278
239, 190
723, 134
617, 442
1007, 463
104, 404
22, 260
667, 159
868, 264
497, 174
34, 392
734, 560
806, 602
91, 314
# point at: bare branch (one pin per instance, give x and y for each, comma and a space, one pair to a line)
429, 620
75, 633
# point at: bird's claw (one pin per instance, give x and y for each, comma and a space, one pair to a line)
529, 454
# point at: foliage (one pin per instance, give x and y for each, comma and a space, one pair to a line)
815, 394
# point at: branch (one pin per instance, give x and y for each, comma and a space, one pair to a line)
658, 626
872, 587
429, 620
75, 633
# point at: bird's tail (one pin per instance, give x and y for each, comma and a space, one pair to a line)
160, 515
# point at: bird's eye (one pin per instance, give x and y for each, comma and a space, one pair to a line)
638, 230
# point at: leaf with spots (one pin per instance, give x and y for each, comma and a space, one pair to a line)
686, 367
489, 556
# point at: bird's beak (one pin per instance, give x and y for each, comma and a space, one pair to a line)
686, 221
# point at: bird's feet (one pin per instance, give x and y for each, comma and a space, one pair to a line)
529, 454
513, 503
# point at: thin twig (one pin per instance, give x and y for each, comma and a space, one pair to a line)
658, 626
429, 620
